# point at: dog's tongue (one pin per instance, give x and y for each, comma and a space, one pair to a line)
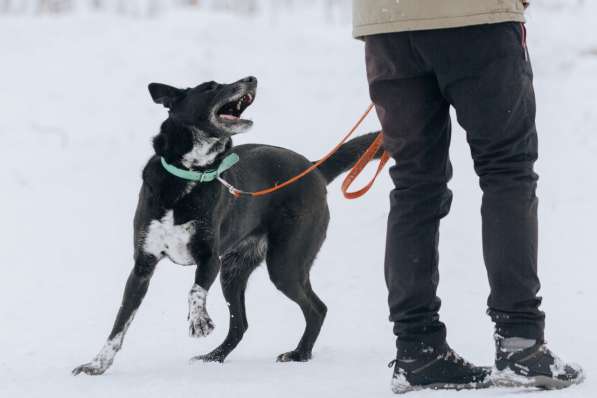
229, 117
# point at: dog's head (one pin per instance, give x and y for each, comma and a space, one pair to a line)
211, 107
209, 114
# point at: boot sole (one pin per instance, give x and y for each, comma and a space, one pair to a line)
510, 379
401, 386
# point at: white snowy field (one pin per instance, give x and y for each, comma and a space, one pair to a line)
75, 131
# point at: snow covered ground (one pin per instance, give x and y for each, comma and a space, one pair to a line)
75, 131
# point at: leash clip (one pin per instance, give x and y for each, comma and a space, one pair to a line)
233, 191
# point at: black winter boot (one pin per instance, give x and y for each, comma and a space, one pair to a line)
438, 369
531, 366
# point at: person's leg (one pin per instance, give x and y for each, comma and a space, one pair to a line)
416, 124
489, 83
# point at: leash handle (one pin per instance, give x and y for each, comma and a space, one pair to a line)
360, 166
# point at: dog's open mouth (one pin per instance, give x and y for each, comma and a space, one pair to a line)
231, 112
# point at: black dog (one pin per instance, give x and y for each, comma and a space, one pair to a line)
201, 223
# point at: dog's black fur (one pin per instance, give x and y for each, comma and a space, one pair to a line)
286, 228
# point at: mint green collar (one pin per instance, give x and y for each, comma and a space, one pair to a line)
205, 176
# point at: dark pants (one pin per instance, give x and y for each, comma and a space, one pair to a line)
484, 73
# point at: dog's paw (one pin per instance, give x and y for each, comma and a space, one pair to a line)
91, 368
201, 326
214, 356
294, 356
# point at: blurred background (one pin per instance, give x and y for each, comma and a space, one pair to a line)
76, 123
330, 10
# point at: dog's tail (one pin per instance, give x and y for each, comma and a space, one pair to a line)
347, 156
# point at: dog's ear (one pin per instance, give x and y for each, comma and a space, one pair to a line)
164, 94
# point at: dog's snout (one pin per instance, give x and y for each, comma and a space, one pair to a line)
249, 79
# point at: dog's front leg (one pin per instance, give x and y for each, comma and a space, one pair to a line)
208, 266
136, 287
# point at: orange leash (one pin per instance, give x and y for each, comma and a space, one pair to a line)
360, 166
356, 170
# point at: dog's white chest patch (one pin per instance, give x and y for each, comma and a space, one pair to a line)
163, 238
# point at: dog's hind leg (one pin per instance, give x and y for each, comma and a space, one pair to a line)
237, 266
314, 311
288, 262
134, 292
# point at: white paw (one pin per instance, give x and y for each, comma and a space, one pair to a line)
93, 368
201, 326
